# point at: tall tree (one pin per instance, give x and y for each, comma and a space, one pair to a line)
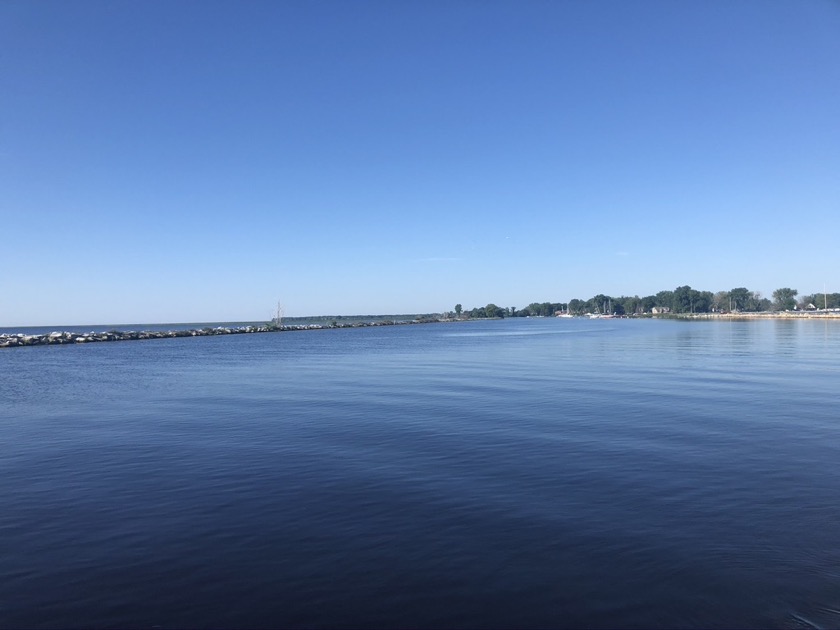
784, 299
491, 310
630, 305
720, 301
576, 305
648, 302
703, 301
665, 298
534, 308
758, 302
740, 297
682, 299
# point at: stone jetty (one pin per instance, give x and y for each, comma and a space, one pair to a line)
60, 337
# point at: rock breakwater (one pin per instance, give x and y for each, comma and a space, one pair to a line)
63, 337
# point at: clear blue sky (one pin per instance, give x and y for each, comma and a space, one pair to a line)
199, 161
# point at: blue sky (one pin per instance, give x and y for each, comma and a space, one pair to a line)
199, 161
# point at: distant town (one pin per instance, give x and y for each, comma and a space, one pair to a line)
681, 301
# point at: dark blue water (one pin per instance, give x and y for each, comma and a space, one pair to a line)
525, 473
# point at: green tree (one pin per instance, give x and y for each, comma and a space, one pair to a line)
665, 298
822, 300
682, 300
458, 309
784, 299
648, 302
756, 302
740, 299
687, 300
703, 301
720, 301
491, 310
630, 305
576, 306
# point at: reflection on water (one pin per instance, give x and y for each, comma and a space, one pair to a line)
786, 335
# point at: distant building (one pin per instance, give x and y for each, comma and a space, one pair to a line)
659, 310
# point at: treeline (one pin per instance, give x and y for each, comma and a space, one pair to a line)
681, 300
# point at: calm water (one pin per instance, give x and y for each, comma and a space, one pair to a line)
526, 473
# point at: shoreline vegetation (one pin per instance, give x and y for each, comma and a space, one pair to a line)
682, 300
64, 337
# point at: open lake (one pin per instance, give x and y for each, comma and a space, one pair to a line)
493, 474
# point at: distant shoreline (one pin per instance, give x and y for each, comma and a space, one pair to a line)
16, 340
760, 315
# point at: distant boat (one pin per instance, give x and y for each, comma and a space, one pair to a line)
566, 313
607, 314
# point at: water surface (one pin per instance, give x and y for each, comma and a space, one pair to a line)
527, 473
